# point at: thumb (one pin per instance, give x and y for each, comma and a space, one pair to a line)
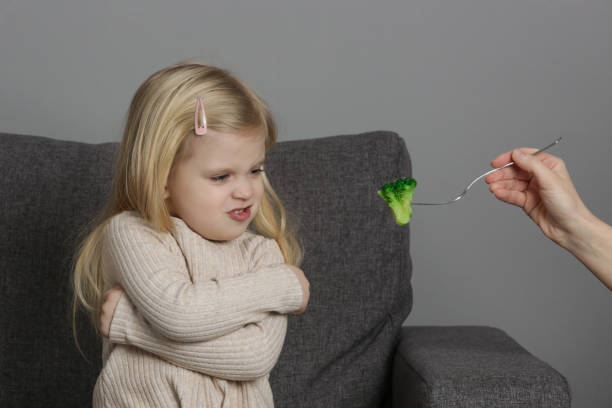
533, 165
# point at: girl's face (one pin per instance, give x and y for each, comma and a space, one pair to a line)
217, 186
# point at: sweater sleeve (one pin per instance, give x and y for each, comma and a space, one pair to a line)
242, 355
177, 308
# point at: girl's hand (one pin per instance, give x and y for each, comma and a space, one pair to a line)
305, 288
111, 299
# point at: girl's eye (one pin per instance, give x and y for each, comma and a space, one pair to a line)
257, 171
219, 179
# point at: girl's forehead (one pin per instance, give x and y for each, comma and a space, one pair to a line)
222, 146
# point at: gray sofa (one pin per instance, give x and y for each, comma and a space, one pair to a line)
348, 350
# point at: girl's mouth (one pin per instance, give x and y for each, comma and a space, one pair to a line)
240, 214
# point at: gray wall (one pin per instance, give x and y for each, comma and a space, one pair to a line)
461, 81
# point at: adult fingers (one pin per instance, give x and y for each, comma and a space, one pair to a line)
509, 173
502, 159
515, 185
516, 171
506, 157
534, 165
513, 197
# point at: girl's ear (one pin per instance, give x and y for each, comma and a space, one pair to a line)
166, 190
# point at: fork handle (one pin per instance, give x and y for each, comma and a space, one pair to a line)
512, 163
533, 154
486, 174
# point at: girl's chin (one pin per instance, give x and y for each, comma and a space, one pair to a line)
226, 235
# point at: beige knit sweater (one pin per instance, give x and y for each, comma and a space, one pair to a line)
201, 323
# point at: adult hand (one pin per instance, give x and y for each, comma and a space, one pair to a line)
305, 288
111, 299
542, 187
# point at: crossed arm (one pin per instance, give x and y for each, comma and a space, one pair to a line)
230, 328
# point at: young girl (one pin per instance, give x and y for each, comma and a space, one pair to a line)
198, 313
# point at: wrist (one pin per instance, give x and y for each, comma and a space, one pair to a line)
121, 320
582, 235
283, 290
296, 291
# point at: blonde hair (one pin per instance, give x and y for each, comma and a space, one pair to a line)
159, 121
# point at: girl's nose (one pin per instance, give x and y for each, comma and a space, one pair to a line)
243, 189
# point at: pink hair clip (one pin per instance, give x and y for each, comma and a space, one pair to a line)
200, 127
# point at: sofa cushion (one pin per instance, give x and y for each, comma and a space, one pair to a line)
472, 366
339, 353
49, 189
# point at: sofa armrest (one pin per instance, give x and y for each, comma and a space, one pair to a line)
471, 366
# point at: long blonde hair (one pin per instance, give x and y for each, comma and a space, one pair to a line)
160, 117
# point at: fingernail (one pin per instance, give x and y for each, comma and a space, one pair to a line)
518, 154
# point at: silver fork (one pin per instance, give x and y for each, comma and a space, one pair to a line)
460, 196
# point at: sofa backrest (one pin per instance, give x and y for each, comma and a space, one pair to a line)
337, 354
49, 190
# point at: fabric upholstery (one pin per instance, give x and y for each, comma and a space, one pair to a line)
49, 190
479, 367
343, 352
338, 354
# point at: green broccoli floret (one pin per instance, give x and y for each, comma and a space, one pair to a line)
398, 196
